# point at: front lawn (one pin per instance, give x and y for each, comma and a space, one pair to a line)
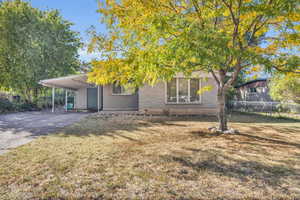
121, 157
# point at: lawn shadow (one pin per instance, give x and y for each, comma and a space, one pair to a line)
118, 126
270, 140
240, 117
243, 170
251, 137
256, 143
204, 134
115, 126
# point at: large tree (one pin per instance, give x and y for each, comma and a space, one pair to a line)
151, 40
34, 45
285, 87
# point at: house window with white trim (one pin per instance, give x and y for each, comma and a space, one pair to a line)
183, 90
121, 90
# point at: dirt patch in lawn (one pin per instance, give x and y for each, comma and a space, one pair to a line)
158, 158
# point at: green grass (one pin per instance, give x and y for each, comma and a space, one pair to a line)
158, 158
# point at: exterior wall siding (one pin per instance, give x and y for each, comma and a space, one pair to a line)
81, 98
118, 102
153, 100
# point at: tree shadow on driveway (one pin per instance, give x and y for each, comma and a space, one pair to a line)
20, 128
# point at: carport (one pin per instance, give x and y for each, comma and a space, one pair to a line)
70, 83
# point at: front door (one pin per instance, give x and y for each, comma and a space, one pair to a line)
92, 99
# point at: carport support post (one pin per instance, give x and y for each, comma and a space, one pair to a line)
53, 98
66, 101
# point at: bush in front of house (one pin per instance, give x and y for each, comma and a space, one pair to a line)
8, 106
289, 107
26, 107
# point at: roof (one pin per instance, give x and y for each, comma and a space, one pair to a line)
72, 82
249, 82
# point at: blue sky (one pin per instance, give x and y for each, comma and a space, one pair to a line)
80, 12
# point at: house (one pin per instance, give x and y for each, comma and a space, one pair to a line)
255, 90
179, 96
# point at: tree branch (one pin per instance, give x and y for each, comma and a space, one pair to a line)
215, 76
197, 9
286, 71
234, 77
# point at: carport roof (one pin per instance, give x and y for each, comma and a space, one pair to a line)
72, 82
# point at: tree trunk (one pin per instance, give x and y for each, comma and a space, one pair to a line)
35, 95
222, 110
27, 95
223, 87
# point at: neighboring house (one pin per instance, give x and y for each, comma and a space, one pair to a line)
179, 96
255, 90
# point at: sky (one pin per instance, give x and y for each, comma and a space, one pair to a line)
82, 13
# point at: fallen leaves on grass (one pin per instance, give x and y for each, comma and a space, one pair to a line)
156, 158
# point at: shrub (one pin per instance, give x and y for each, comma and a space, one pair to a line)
26, 107
289, 107
6, 105
285, 87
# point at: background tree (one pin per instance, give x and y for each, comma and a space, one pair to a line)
285, 87
85, 67
151, 40
34, 45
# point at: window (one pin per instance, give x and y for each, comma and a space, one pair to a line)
183, 90
171, 91
252, 90
194, 88
121, 90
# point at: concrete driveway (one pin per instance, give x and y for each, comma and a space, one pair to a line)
20, 128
